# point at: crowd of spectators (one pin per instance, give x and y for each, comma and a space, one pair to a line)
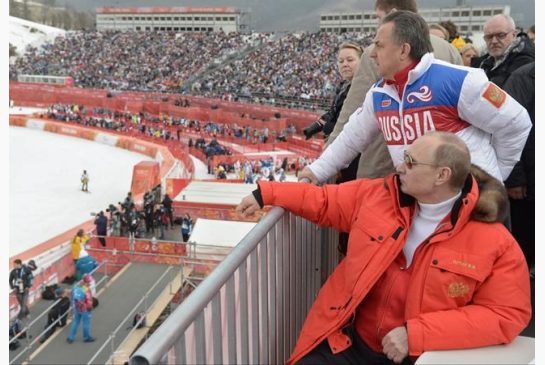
294, 70
166, 127
296, 66
143, 61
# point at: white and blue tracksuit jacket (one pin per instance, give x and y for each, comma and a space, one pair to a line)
438, 96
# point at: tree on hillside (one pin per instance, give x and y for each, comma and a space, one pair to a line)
83, 21
14, 8
46, 11
57, 19
26, 11
12, 50
67, 21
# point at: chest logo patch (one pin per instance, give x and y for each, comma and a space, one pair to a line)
423, 94
456, 290
385, 103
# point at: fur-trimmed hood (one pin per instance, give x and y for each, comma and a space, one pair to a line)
492, 204
489, 197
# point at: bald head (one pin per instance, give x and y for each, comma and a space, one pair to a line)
452, 152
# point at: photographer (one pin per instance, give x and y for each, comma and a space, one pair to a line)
111, 210
116, 224
348, 61
101, 223
20, 279
149, 204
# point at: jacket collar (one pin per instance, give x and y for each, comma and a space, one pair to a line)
413, 74
461, 211
400, 79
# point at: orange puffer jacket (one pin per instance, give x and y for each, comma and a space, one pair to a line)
470, 283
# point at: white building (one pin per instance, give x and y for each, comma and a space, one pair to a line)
469, 19
178, 19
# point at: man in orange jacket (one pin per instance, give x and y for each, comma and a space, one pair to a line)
429, 264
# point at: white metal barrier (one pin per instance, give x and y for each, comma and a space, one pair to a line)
251, 308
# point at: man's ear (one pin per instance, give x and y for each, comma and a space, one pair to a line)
405, 51
444, 175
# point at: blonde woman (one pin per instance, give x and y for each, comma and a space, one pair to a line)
468, 52
348, 61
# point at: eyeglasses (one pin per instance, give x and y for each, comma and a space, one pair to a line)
410, 162
499, 36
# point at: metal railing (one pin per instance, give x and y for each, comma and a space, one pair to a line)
251, 308
111, 341
31, 339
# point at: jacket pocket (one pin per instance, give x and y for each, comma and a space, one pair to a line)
369, 237
452, 278
373, 229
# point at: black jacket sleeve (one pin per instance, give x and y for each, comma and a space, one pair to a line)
257, 195
521, 86
330, 117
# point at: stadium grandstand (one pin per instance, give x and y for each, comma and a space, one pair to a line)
211, 108
294, 70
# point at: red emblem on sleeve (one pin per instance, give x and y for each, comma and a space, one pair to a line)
494, 95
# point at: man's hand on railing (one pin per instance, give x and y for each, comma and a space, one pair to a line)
306, 175
248, 206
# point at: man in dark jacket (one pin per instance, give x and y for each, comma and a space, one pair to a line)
56, 317
506, 51
101, 223
167, 203
20, 279
521, 183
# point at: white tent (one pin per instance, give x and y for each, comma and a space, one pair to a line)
214, 239
215, 192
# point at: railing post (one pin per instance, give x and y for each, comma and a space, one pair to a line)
112, 342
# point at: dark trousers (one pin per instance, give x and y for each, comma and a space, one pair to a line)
523, 224
170, 217
102, 239
358, 354
53, 316
22, 298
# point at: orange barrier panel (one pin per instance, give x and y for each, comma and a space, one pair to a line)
17, 121
174, 186
134, 145
145, 176
202, 109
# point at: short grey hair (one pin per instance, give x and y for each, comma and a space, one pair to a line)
508, 18
452, 152
410, 28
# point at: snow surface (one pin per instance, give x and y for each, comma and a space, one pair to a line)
45, 199
20, 35
201, 171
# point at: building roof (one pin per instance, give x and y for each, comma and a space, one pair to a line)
167, 10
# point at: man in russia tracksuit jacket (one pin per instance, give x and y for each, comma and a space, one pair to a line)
419, 94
